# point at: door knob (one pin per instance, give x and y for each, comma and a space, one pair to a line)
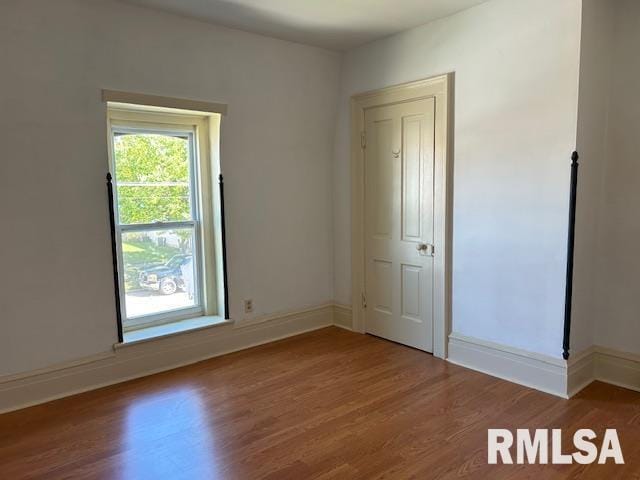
425, 249
422, 247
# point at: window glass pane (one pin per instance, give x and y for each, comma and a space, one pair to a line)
159, 271
152, 177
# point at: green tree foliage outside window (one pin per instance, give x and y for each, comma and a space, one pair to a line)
152, 178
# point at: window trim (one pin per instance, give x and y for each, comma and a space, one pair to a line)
159, 103
203, 131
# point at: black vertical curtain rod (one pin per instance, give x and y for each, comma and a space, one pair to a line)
223, 233
114, 255
566, 342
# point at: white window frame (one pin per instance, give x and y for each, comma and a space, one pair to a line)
202, 131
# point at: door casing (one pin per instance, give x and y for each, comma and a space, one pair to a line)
440, 88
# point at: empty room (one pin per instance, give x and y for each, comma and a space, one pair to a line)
305, 239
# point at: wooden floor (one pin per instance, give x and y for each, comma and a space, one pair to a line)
328, 404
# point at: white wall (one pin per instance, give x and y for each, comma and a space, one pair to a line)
56, 292
288, 198
593, 114
516, 65
617, 325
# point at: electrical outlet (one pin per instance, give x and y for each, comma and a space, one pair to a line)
248, 306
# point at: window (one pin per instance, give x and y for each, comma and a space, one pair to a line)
164, 207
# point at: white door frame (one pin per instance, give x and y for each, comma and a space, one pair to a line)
441, 88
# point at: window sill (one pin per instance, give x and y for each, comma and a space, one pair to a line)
171, 329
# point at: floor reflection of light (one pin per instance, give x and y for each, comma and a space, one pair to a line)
167, 435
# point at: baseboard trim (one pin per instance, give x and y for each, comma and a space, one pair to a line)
532, 370
618, 368
343, 316
605, 365
139, 360
544, 373
580, 371
536, 371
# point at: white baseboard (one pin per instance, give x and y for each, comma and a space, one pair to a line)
544, 373
138, 360
605, 365
343, 316
127, 362
536, 371
618, 368
580, 371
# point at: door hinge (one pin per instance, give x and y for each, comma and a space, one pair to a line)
363, 140
364, 300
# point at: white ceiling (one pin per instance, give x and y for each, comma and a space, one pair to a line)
334, 24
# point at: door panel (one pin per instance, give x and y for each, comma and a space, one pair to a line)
383, 131
411, 297
399, 162
383, 285
412, 178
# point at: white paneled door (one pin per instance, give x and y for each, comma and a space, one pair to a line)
399, 223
